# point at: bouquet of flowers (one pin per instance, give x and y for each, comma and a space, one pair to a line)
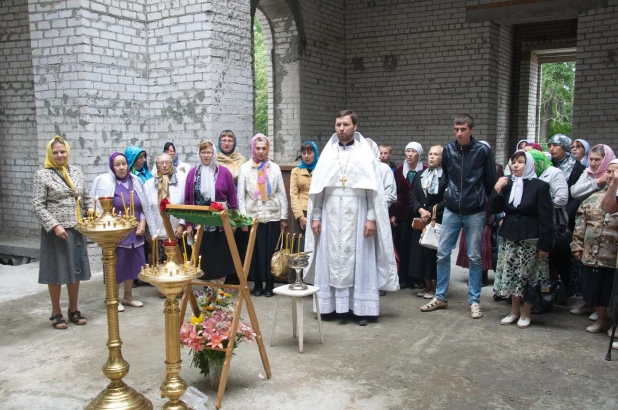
212, 329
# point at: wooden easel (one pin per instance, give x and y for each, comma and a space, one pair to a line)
243, 291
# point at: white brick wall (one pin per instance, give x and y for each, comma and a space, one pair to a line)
200, 76
19, 158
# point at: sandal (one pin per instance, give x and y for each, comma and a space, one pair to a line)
58, 322
77, 318
434, 304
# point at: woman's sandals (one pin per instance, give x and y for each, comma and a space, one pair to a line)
77, 318
58, 322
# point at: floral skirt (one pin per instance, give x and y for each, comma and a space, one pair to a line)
518, 265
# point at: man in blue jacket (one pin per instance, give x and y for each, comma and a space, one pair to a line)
470, 173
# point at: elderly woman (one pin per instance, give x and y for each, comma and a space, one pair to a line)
561, 261
165, 184
399, 213
56, 193
595, 243
206, 183
180, 168
300, 180
230, 157
261, 195
137, 161
526, 234
590, 181
593, 179
427, 192
119, 184
580, 150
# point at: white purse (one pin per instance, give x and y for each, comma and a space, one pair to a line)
430, 238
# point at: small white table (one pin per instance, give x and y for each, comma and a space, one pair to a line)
297, 311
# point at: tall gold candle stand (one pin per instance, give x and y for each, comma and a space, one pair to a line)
171, 279
107, 231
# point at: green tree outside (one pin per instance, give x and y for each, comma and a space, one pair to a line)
557, 89
260, 92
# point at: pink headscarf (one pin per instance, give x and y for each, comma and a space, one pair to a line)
255, 137
609, 156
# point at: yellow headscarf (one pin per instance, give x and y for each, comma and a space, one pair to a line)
50, 162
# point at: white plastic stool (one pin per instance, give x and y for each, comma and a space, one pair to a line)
297, 311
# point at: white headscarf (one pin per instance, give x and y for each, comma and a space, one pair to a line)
518, 182
374, 148
419, 167
207, 172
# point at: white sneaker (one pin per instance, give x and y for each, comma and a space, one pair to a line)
593, 317
615, 345
523, 322
120, 307
509, 320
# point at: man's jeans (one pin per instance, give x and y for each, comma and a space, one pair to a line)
451, 226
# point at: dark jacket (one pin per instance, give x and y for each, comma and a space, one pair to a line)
427, 202
401, 207
471, 175
573, 204
532, 219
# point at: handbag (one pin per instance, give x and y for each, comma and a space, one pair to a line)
430, 237
418, 224
279, 261
562, 234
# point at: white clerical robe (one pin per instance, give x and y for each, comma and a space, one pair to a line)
346, 191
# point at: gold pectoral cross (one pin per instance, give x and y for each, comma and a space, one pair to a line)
343, 180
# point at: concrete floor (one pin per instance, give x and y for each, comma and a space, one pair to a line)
408, 360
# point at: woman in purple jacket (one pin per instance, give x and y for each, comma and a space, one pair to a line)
206, 183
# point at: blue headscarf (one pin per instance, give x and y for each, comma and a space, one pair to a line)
132, 153
219, 143
311, 166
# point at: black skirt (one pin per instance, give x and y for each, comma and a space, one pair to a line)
423, 261
598, 285
217, 259
265, 242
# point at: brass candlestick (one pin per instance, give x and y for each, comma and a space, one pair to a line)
171, 278
107, 231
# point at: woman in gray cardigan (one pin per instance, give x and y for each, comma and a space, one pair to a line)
56, 192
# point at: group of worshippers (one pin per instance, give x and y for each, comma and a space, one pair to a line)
362, 218
59, 189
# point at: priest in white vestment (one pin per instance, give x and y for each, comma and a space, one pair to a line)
353, 256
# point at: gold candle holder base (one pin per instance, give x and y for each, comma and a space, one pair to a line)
107, 231
119, 396
171, 279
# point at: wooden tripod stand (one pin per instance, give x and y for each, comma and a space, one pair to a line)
242, 288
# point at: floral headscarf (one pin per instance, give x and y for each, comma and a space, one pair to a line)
316, 156
541, 162
50, 162
567, 163
262, 187
609, 157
